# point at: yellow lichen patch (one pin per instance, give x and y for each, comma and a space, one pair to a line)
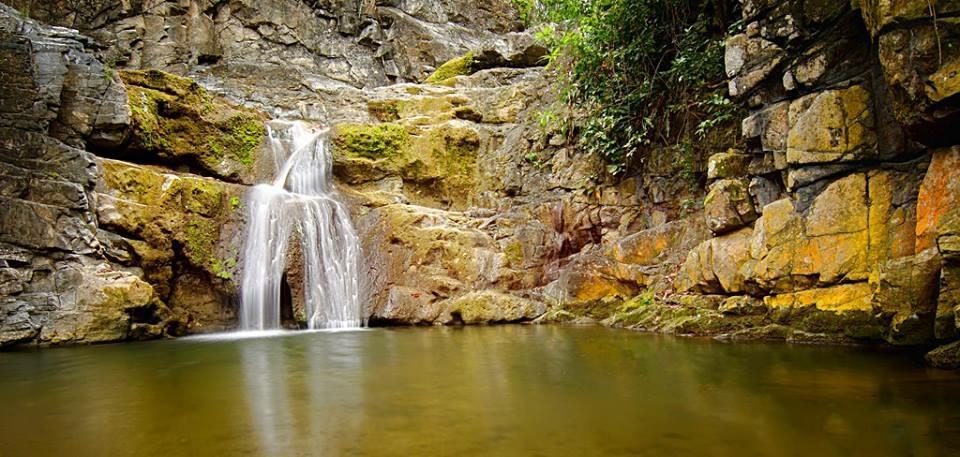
830, 126
839, 299
840, 208
891, 230
514, 253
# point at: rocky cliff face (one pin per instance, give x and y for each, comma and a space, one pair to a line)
837, 222
362, 43
834, 223
123, 189
847, 171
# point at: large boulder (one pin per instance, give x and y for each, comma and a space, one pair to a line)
489, 307
748, 61
844, 309
437, 163
418, 259
165, 220
716, 265
906, 290
946, 356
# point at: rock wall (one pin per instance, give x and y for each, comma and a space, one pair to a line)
96, 249
836, 214
836, 222
363, 43
55, 286
123, 188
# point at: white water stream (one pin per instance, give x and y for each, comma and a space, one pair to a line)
301, 202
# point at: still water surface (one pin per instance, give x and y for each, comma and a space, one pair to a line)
498, 391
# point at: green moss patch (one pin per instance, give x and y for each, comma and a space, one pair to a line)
200, 237
463, 65
370, 141
240, 138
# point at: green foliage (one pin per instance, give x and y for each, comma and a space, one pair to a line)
649, 72
533, 159
222, 268
549, 121
527, 10
235, 202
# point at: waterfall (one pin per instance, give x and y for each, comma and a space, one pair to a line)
300, 201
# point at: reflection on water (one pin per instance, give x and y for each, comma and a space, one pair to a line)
504, 391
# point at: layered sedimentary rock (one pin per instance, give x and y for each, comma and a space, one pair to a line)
361, 43
834, 224
95, 249
846, 110
835, 220
126, 186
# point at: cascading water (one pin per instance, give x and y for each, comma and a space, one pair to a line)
301, 200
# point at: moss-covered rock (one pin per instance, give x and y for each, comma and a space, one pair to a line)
657, 316
463, 65
488, 307
174, 120
946, 356
104, 300
175, 222
377, 141
436, 163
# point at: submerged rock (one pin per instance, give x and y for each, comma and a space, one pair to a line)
946, 356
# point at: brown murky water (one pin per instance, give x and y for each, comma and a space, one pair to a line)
499, 391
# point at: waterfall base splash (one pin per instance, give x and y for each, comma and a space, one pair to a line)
301, 202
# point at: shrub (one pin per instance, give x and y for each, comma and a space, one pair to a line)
648, 73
